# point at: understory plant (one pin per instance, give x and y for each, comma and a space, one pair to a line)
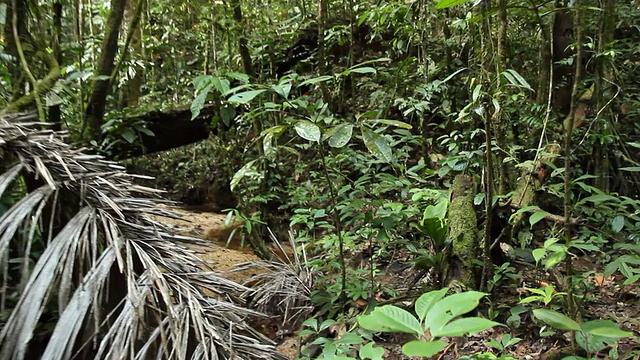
437, 316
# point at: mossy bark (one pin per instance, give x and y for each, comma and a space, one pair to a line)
463, 232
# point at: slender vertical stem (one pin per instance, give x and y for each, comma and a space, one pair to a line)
569, 125
338, 224
23, 60
486, 248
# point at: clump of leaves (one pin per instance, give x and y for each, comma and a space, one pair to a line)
437, 316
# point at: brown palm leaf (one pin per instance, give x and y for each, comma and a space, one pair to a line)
282, 289
87, 274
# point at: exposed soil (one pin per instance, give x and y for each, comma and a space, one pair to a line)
224, 251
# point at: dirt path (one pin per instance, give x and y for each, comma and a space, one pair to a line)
220, 254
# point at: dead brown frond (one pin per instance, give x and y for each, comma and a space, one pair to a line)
87, 274
281, 289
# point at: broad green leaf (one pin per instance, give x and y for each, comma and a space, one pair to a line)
391, 318
129, 135
617, 223
470, 325
275, 130
198, 102
363, 70
452, 75
350, 339
598, 334
227, 114
610, 332
537, 216
477, 200
395, 123
242, 77
247, 170
282, 89
554, 259
605, 328
476, 93
315, 80
308, 130
423, 348
246, 96
556, 319
370, 352
596, 199
631, 168
325, 324
426, 302
515, 79
538, 254
448, 3
312, 323
221, 84
145, 130
237, 88
340, 135
267, 146
450, 307
377, 144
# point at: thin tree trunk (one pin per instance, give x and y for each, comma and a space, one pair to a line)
96, 105
132, 40
499, 120
54, 111
603, 94
15, 70
243, 43
569, 124
322, 56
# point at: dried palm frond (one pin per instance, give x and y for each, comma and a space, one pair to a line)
281, 289
87, 274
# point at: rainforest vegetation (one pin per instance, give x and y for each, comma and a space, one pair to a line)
444, 179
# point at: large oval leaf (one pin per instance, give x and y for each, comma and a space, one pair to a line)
370, 352
245, 96
391, 318
426, 302
340, 135
450, 307
198, 102
308, 130
470, 325
423, 348
377, 144
604, 328
247, 170
537, 216
556, 319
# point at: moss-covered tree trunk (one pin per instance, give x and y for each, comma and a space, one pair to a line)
463, 232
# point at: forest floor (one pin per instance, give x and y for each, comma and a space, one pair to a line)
605, 299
